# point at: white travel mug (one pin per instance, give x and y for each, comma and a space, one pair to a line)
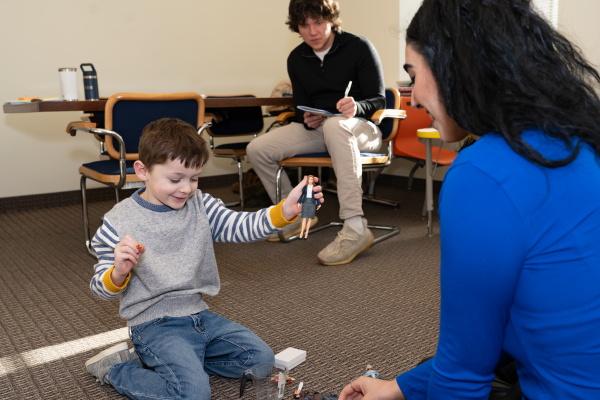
68, 83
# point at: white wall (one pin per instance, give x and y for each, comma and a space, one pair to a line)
204, 46
577, 19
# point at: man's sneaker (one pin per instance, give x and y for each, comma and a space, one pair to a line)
100, 363
347, 245
291, 229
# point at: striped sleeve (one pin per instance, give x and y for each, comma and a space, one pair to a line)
104, 243
231, 226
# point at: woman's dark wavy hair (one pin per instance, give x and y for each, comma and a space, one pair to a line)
299, 10
500, 67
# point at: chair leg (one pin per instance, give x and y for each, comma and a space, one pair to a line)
393, 230
241, 180
117, 195
86, 223
370, 195
412, 174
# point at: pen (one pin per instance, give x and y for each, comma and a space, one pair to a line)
348, 89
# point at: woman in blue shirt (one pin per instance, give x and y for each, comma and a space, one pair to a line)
519, 208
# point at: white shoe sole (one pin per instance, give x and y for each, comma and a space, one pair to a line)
111, 350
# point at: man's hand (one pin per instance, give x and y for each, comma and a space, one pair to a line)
288, 209
313, 121
347, 107
372, 389
127, 252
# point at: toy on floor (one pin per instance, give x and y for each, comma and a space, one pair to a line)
297, 392
371, 373
288, 379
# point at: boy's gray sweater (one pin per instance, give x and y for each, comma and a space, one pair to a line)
179, 264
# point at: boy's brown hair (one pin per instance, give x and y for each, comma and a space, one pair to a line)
169, 139
300, 10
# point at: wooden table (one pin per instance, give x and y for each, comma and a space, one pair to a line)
98, 106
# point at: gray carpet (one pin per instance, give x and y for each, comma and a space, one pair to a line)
381, 309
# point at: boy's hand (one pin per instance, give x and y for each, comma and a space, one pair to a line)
288, 209
127, 252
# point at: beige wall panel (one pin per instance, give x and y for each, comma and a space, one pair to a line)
216, 47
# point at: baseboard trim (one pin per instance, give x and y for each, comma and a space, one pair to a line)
58, 199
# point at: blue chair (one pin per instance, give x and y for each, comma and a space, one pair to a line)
388, 122
126, 115
230, 122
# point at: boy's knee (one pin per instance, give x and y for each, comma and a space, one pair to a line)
263, 354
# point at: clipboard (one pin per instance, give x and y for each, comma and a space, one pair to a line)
317, 111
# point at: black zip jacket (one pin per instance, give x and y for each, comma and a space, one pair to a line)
322, 84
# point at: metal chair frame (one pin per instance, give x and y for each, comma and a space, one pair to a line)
377, 167
236, 155
73, 129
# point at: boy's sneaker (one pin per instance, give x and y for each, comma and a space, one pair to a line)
101, 362
291, 229
347, 245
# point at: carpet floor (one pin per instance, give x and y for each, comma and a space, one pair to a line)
381, 309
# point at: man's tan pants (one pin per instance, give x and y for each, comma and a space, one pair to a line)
343, 138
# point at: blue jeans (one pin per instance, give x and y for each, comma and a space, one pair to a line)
182, 352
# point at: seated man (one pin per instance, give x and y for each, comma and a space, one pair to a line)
320, 70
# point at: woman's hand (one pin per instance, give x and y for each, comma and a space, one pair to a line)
288, 209
127, 252
372, 389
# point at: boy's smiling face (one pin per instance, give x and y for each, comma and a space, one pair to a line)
170, 184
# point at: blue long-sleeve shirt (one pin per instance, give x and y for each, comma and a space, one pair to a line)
520, 272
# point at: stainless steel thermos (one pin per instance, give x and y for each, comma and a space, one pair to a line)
90, 82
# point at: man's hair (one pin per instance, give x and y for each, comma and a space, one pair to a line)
300, 10
171, 139
501, 67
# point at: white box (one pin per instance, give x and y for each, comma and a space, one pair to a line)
290, 357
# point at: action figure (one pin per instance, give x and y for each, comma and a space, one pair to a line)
307, 202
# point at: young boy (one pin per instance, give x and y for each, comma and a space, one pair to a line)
155, 251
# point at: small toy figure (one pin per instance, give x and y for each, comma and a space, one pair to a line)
297, 392
307, 202
371, 373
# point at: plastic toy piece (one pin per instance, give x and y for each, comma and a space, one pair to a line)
371, 373
297, 392
289, 379
139, 246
